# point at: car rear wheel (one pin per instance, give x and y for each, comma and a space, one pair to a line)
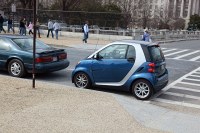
142, 89
81, 80
16, 68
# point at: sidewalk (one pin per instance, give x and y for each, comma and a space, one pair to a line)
56, 108
74, 42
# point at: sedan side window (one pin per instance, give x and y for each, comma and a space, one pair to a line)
4, 45
114, 52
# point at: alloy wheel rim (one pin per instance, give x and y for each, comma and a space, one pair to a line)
15, 68
142, 90
81, 80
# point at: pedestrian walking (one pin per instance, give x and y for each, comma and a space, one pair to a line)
30, 27
1, 24
22, 27
38, 28
146, 36
56, 28
10, 25
85, 32
50, 28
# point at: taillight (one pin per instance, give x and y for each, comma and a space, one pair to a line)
44, 59
151, 68
62, 56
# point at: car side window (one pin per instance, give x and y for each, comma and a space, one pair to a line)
131, 53
4, 45
116, 51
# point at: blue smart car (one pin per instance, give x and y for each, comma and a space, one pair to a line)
129, 65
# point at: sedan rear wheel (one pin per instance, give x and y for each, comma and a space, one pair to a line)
142, 89
16, 68
81, 80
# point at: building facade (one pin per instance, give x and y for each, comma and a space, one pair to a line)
176, 8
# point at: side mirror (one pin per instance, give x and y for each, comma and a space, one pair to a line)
97, 56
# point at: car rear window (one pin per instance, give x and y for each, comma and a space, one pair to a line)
27, 43
156, 54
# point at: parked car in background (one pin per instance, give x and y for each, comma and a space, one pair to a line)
16, 56
128, 65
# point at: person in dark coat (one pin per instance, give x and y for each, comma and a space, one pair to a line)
1, 24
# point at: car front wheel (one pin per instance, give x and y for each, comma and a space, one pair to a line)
142, 89
81, 80
16, 68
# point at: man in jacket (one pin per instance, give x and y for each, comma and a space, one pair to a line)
50, 28
56, 28
85, 32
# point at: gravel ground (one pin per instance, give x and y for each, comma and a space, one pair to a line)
56, 108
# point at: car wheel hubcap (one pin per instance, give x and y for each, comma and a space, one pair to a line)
81, 80
15, 68
142, 90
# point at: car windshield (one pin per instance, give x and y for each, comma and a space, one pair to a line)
156, 53
27, 43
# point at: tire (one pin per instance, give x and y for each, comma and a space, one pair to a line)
81, 80
142, 89
16, 68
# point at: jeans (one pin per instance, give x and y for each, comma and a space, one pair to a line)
85, 37
56, 31
22, 31
10, 27
50, 30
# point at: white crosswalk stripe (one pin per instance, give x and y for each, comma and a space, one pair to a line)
169, 50
195, 58
179, 57
176, 52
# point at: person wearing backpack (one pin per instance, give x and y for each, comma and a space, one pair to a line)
85, 32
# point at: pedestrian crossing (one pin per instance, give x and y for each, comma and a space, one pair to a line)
182, 54
183, 92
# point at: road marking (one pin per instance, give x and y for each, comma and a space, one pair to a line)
187, 89
177, 103
164, 51
176, 52
192, 79
195, 75
186, 54
182, 95
189, 83
195, 58
163, 48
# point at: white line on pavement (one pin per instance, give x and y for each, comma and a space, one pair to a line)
164, 51
192, 79
187, 89
176, 52
177, 103
189, 83
186, 54
182, 95
195, 58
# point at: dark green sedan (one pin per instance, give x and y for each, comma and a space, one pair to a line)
16, 56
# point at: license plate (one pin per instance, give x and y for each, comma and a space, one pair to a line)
55, 58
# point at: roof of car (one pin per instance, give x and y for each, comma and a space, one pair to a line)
138, 42
13, 36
